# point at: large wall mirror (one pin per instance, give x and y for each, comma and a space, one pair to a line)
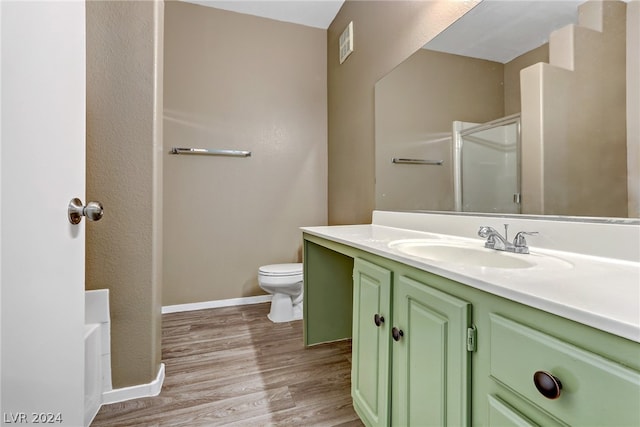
518, 107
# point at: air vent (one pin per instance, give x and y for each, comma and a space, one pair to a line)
346, 42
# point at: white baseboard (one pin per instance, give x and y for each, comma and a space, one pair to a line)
215, 304
134, 392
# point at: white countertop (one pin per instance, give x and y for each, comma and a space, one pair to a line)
597, 291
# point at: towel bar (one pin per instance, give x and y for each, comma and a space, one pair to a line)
211, 152
417, 161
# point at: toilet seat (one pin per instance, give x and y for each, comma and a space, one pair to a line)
285, 283
281, 270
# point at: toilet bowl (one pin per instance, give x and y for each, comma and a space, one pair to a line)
284, 282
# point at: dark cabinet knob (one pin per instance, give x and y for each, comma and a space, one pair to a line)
378, 320
548, 385
396, 334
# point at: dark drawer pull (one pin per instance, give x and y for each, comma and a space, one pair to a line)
378, 320
396, 334
548, 385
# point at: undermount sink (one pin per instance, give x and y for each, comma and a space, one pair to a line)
471, 255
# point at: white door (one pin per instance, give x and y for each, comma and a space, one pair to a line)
42, 165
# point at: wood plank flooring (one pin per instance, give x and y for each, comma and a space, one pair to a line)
233, 367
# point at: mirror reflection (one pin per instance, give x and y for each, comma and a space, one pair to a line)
486, 160
512, 117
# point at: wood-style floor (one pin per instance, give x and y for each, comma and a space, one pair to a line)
233, 367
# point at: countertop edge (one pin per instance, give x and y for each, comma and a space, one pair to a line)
593, 318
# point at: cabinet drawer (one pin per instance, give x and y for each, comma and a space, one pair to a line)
503, 415
594, 390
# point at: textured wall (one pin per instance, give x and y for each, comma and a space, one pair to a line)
418, 101
512, 76
633, 107
385, 33
415, 106
124, 41
236, 81
574, 119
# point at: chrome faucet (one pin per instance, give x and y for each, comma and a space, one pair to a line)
499, 243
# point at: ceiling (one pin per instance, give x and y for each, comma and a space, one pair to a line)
497, 30
312, 13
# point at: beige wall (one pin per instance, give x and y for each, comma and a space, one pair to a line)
633, 107
415, 106
512, 76
236, 81
574, 119
124, 173
385, 33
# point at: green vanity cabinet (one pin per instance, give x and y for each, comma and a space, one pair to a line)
555, 382
328, 293
431, 360
503, 415
410, 357
371, 342
451, 366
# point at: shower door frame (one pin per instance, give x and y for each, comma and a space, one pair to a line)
459, 132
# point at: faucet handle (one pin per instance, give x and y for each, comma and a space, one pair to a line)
519, 240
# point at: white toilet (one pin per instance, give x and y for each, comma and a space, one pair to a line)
284, 282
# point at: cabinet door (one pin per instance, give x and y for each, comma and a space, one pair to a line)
371, 341
431, 364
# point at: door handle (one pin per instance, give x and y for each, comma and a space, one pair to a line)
93, 211
378, 320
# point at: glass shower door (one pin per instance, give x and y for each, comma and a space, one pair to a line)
488, 173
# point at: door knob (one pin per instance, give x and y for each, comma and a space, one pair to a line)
378, 320
93, 211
